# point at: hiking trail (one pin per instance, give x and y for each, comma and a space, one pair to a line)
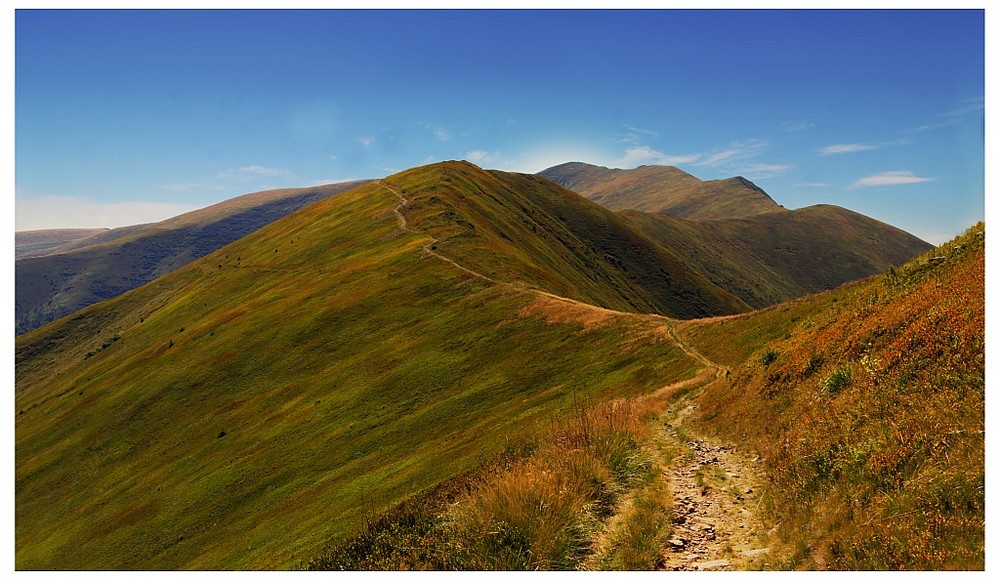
715, 491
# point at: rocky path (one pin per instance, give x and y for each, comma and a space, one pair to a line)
715, 499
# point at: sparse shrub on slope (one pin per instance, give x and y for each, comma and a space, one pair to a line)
877, 461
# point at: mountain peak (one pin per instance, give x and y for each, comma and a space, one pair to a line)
663, 189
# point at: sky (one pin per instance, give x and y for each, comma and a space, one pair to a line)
126, 117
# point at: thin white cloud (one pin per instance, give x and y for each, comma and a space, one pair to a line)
333, 158
765, 170
813, 184
931, 126
645, 155
952, 117
494, 160
366, 142
846, 148
57, 211
890, 178
250, 171
635, 135
634, 129
737, 150
967, 106
795, 126
438, 131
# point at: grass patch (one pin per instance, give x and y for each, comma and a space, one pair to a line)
537, 507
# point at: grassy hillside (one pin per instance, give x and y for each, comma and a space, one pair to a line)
774, 257
96, 267
251, 406
663, 190
525, 229
866, 406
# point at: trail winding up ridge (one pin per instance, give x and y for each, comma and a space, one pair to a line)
713, 510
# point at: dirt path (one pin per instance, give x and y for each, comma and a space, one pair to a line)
714, 490
403, 225
715, 493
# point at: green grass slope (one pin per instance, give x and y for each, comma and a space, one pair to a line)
96, 267
250, 407
664, 190
526, 229
774, 257
866, 406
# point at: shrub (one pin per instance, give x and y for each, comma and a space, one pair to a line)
838, 380
770, 355
812, 364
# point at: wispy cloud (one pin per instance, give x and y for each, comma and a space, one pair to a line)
738, 150
438, 131
366, 142
481, 158
333, 158
254, 171
846, 148
645, 155
764, 170
635, 135
966, 106
813, 184
890, 178
931, 126
795, 126
952, 117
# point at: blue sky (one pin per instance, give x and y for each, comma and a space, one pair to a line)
133, 116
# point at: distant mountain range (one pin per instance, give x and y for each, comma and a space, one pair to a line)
36, 243
63, 271
663, 190
715, 247
733, 233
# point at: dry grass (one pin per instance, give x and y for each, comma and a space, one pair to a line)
555, 310
538, 507
871, 417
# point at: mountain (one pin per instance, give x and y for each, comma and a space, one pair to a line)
734, 234
866, 408
107, 263
43, 242
663, 190
252, 405
521, 228
773, 257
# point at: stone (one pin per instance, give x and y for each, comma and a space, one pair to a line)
713, 564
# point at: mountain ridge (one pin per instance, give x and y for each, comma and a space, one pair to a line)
319, 368
663, 189
93, 268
